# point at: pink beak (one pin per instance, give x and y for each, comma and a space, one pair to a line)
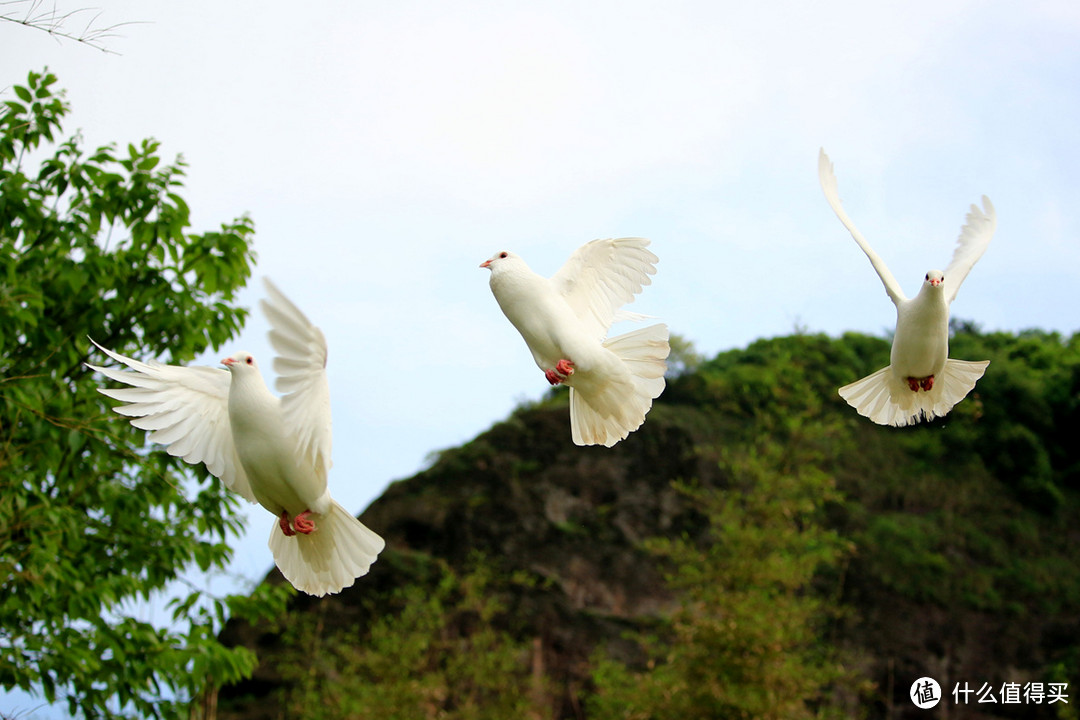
486, 263
228, 362
935, 283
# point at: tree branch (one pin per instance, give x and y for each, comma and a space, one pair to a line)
35, 14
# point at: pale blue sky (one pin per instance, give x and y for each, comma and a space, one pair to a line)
384, 149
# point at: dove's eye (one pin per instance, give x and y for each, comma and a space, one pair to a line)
250, 360
504, 255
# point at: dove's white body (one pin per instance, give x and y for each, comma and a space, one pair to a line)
920, 348
549, 326
921, 342
269, 453
566, 317
274, 451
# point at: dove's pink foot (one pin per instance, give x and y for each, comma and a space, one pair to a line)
563, 369
303, 524
917, 384
285, 526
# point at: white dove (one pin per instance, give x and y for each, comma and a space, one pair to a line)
565, 320
274, 451
921, 381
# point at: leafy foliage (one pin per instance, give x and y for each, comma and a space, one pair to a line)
96, 244
748, 637
437, 654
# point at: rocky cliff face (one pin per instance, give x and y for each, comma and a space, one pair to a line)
525, 497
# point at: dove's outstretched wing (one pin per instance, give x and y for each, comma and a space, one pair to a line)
300, 365
185, 408
974, 238
828, 185
602, 276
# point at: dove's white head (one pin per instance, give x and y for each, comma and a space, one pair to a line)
501, 261
241, 363
506, 267
935, 278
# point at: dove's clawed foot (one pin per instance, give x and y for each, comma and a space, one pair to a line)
303, 524
926, 383
300, 524
563, 369
283, 521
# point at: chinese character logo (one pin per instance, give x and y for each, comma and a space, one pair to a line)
925, 693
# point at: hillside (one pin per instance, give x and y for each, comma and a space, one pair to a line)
518, 564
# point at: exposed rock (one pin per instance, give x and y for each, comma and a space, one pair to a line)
527, 498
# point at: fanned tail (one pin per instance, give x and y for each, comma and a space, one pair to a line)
606, 413
340, 549
887, 400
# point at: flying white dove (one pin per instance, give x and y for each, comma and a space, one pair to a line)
565, 320
921, 381
274, 451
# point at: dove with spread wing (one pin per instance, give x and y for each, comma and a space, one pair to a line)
271, 450
564, 321
921, 381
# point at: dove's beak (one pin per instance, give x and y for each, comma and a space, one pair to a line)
228, 362
486, 263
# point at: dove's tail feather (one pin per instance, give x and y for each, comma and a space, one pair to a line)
605, 413
338, 551
887, 400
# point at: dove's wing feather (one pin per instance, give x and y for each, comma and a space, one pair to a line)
186, 409
301, 368
832, 194
972, 243
602, 276
627, 316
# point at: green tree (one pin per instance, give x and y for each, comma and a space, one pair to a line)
96, 244
437, 654
748, 639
